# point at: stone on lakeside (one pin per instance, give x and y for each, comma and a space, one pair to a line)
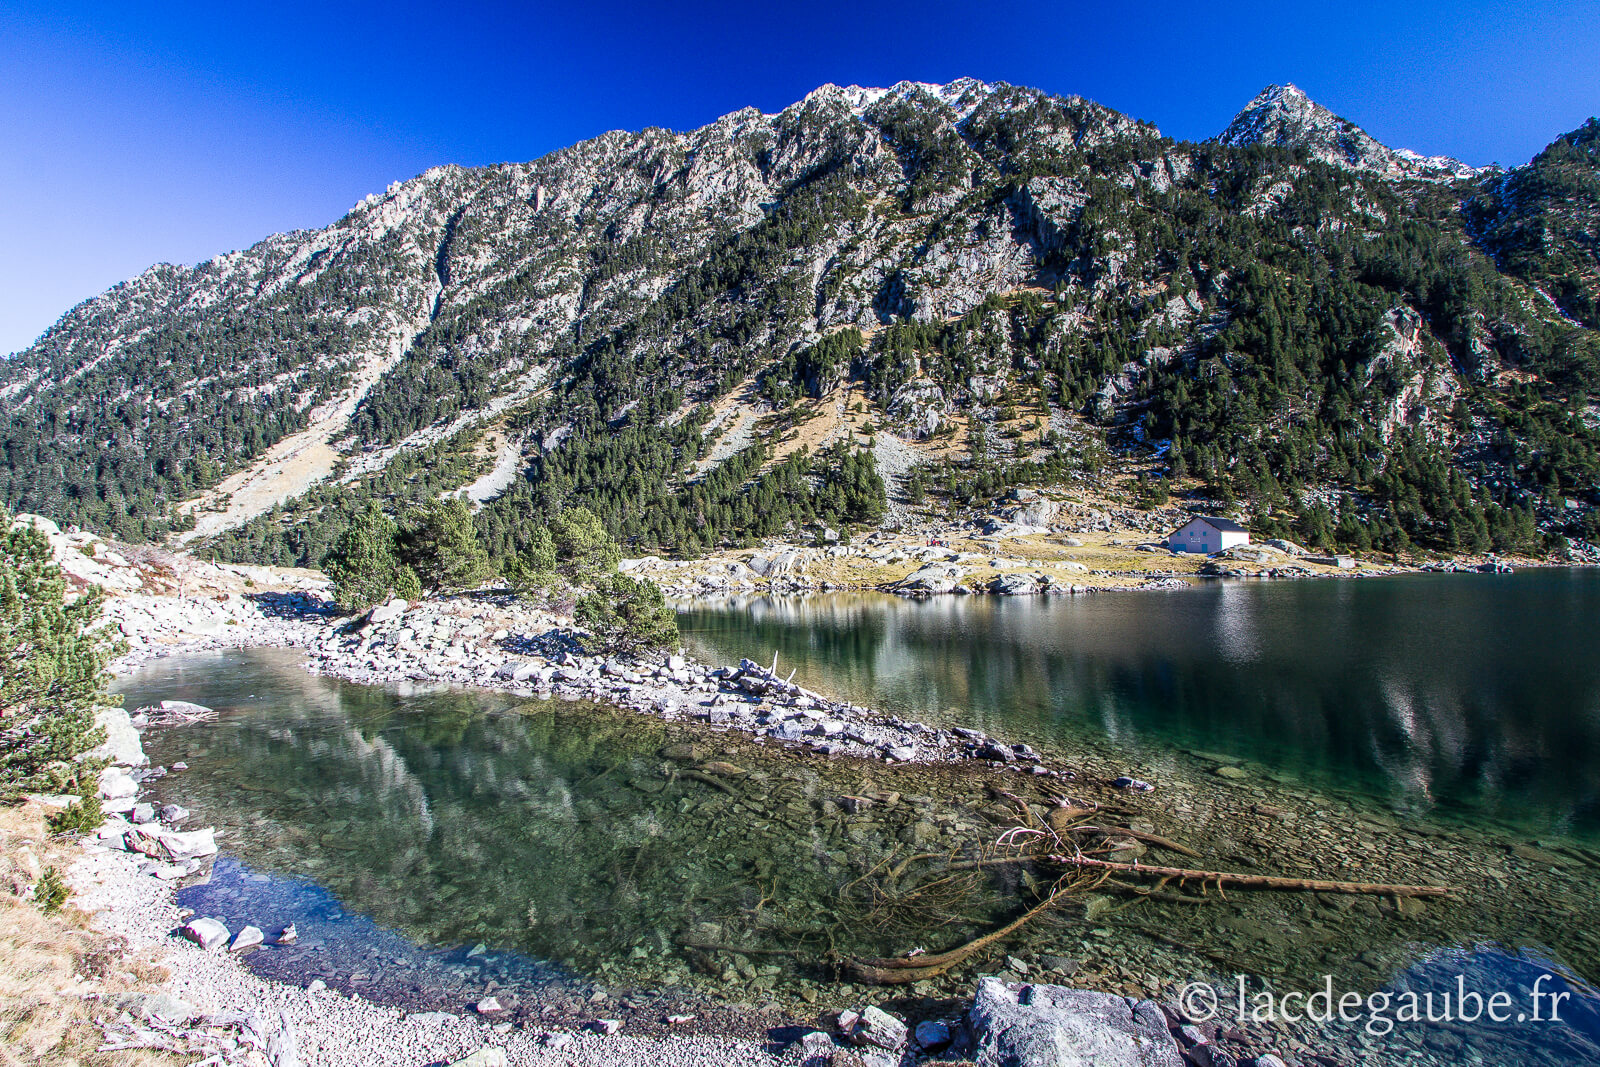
484, 1057
174, 813
1052, 1026
115, 784
606, 1026
184, 707
388, 612
878, 1028
489, 1006
207, 933
122, 747
249, 937
289, 936
171, 844
1024, 584
931, 1034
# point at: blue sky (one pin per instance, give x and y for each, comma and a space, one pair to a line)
140, 133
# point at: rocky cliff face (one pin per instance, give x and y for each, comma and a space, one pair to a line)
1285, 117
995, 245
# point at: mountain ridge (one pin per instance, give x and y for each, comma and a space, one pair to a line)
635, 266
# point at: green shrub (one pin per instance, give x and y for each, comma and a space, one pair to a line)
441, 546
81, 817
625, 615
50, 891
361, 564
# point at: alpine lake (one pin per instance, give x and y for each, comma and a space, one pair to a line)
434, 846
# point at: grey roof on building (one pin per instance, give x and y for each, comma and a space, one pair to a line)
1225, 525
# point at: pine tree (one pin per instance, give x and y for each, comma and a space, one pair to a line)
625, 615
442, 547
52, 669
584, 550
362, 563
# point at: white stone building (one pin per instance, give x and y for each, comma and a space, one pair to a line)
1207, 534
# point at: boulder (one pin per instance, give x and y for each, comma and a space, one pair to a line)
388, 612
1053, 1026
116, 784
207, 933
249, 937
931, 580
121, 747
1286, 547
184, 707
1015, 585
1038, 513
933, 1035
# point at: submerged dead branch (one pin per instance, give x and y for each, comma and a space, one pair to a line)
1254, 881
1062, 850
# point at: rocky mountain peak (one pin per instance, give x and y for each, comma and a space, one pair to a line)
1284, 116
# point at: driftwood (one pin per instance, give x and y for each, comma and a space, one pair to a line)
1153, 839
902, 970
1253, 881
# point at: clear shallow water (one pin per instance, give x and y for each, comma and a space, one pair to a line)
588, 850
584, 847
1471, 696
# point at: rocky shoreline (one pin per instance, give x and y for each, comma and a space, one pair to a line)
492, 642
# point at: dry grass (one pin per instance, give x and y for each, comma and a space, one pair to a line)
49, 964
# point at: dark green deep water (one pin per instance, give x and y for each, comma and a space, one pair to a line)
1457, 718
1470, 696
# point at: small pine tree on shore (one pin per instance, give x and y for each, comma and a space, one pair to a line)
626, 615
441, 546
584, 550
361, 564
52, 670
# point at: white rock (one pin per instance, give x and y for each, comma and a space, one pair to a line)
388, 612
484, 1057
184, 707
121, 747
116, 784
249, 937
171, 844
207, 933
